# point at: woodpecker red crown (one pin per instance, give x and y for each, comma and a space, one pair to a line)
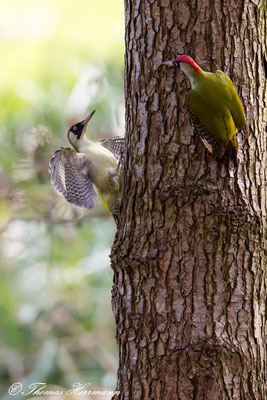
188, 60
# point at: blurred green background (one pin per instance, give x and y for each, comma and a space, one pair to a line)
59, 60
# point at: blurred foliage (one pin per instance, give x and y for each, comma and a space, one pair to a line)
60, 60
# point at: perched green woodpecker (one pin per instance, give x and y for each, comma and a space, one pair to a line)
215, 109
73, 172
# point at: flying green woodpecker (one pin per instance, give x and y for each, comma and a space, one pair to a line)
214, 107
73, 172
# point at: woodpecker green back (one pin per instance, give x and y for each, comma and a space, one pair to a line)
215, 109
216, 105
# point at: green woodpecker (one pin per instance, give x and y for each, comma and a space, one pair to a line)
215, 109
73, 172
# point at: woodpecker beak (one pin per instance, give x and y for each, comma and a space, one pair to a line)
86, 120
175, 64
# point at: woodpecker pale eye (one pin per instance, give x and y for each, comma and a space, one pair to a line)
77, 130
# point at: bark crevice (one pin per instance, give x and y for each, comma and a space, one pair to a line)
189, 256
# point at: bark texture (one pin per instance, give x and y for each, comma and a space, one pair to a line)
190, 251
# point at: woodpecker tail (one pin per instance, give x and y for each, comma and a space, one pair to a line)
234, 142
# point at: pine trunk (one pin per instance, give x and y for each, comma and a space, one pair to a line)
190, 251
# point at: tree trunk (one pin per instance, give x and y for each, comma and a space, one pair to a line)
190, 251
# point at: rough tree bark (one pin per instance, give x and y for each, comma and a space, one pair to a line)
190, 251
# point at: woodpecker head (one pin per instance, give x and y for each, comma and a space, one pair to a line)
77, 131
185, 63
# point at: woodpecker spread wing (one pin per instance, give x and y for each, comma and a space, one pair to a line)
116, 146
68, 171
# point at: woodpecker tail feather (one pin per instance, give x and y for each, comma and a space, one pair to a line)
234, 142
115, 214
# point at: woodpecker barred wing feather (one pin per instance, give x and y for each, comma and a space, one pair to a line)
68, 171
116, 146
208, 140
